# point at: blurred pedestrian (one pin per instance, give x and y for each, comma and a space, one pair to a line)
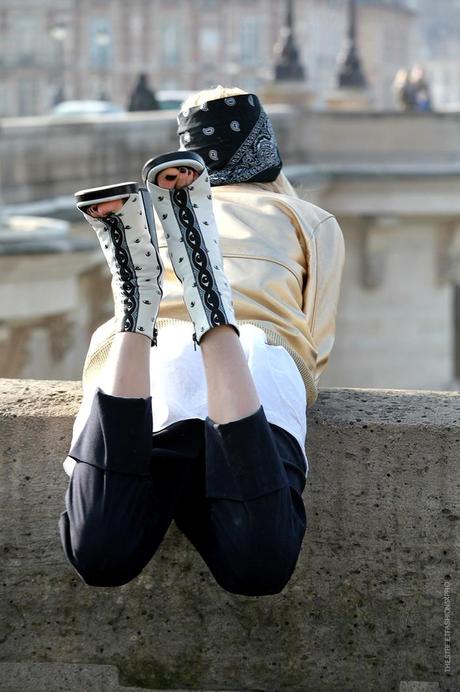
421, 87
143, 97
404, 91
412, 90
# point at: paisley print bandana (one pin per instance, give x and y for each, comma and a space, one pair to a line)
235, 138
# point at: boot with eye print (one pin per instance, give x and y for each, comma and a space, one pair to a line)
187, 217
129, 242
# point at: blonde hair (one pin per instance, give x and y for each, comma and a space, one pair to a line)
281, 185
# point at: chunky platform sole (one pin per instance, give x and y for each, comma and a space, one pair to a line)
173, 159
108, 193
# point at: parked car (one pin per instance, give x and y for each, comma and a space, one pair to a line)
171, 100
82, 108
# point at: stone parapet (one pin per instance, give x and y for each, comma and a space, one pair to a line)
46, 158
371, 605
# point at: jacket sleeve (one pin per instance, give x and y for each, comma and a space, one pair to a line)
322, 292
98, 353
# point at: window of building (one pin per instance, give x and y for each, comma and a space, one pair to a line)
25, 32
209, 44
27, 97
100, 42
249, 41
170, 43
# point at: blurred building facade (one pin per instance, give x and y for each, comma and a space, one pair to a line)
391, 179
53, 50
439, 49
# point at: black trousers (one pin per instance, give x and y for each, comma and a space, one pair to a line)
235, 491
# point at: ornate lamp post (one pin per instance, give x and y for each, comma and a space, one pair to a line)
352, 92
350, 74
288, 66
289, 77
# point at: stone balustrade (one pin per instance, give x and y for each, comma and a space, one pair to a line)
45, 157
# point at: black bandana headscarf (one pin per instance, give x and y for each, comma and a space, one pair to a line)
235, 138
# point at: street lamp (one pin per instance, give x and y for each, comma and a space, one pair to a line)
350, 73
59, 34
288, 67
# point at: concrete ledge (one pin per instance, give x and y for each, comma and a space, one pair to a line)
45, 157
67, 677
371, 606
61, 677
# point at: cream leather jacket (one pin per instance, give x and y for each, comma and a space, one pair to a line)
284, 259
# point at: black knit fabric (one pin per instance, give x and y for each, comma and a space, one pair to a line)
235, 138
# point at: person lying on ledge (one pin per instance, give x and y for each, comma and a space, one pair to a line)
226, 287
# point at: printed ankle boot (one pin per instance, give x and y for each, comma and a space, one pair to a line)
129, 242
187, 217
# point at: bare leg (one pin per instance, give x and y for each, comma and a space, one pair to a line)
231, 391
127, 372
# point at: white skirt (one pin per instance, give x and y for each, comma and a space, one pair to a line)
178, 384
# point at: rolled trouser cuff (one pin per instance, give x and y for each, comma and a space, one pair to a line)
117, 436
242, 459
